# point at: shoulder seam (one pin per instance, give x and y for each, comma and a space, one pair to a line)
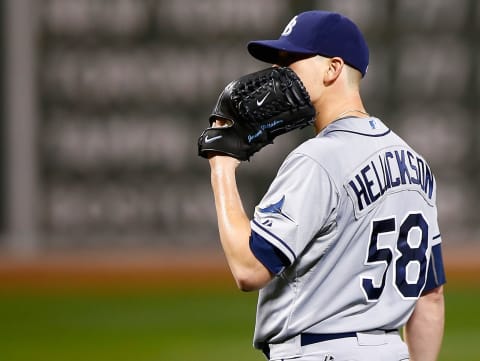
332, 180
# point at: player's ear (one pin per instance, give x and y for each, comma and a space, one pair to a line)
333, 71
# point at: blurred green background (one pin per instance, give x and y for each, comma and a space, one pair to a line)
172, 324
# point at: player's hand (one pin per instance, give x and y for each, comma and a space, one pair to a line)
220, 123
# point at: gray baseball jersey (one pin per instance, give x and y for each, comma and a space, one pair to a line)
349, 228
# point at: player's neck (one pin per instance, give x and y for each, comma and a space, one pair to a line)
331, 109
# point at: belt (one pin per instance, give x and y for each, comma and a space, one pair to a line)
311, 338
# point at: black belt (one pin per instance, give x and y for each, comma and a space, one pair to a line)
311, 338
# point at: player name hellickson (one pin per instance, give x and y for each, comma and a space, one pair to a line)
390, 171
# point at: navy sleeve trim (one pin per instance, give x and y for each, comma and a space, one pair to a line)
281, 242
269, 255
436, 272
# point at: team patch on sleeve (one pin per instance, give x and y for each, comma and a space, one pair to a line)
275, 208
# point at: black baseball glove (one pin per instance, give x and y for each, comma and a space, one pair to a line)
257, 108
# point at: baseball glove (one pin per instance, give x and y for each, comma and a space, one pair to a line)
257, 108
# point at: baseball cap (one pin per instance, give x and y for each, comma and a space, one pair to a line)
317, 32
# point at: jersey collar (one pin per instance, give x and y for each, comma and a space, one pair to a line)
370, 126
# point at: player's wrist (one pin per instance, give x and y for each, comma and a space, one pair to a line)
223, 163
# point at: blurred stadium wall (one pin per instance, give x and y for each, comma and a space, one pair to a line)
103, 100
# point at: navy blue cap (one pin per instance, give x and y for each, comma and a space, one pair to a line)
317, 33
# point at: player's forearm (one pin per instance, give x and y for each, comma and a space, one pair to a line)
424, 330
233, 223
234, 229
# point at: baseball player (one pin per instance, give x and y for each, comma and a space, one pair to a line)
345, 246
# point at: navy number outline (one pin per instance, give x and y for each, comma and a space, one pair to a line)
400, 258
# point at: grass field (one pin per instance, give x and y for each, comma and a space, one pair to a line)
168, 324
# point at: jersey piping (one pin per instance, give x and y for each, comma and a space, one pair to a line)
359, 133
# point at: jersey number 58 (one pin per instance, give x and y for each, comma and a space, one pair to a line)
407, 259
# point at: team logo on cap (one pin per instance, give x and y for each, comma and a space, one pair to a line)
289, 28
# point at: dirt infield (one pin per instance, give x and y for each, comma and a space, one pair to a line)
160, 268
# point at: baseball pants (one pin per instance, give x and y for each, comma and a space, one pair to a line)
364, 346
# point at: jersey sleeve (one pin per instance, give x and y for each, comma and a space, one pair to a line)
436, 270
299, 205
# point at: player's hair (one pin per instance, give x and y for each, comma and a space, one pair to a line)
354, 77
